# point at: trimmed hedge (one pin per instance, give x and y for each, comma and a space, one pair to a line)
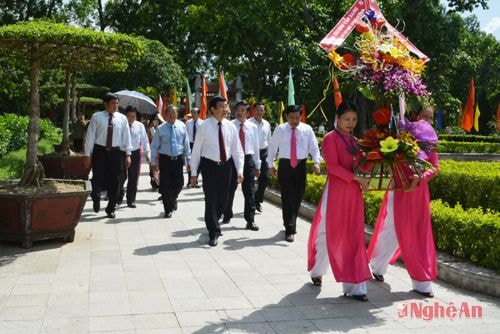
470, 183
467, 234
444, 146
470, 138
473, 184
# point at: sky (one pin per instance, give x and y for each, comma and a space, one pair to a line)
489, 19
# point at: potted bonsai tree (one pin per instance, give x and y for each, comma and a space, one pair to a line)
36, 208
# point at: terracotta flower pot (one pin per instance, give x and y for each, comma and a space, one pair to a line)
38, 216
64, 167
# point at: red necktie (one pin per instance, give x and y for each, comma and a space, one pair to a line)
109, 137
222, 146
242, 137
293, 150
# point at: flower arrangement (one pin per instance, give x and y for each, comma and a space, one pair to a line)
382, 63
400, 153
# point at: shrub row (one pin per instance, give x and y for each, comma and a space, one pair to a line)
470, 138
467, 147
473, 184
469, 234
14, 132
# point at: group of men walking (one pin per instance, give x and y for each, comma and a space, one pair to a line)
226, 153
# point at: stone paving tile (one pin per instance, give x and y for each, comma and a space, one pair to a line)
143, 274
65, 325
21, 326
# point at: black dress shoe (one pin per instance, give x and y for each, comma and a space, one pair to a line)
110, 214
226, 221
258, 207
119, 202
168, 214
289, 237
131, 205
97, 205
361, 298
213, 241
425, 294
377, 277
252, 226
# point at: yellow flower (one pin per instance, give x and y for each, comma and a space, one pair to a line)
389, 145
335, 57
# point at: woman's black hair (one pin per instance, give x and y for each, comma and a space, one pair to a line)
344, 107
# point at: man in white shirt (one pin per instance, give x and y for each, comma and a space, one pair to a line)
250, 143
216, 147
264, 130
192, 126
107, 152
293, 141
140, 145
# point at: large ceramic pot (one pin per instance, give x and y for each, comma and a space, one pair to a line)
38, 216
64, 166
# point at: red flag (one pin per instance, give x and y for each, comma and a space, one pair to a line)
337, 95
222, 85
251, 111
303, 112
498, 116
468, 116
203, 104
164, 107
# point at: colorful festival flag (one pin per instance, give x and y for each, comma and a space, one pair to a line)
303, 113
468, 116
498, 116
281, 110
203, 103
159, 104
439, 119
222, 85
476, 118
164, 108
337, 95
291, 89
189, 98
173, 97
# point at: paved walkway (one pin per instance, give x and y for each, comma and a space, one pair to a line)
141, 273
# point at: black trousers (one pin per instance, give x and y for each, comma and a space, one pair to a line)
171, 180
107, 169
246, 187
263, 178
132, 174
292, 183
216, 180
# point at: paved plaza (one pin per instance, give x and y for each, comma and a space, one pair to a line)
141, 273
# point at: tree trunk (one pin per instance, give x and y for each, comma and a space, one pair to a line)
102, 25
74, 98
67, 92
33, 172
